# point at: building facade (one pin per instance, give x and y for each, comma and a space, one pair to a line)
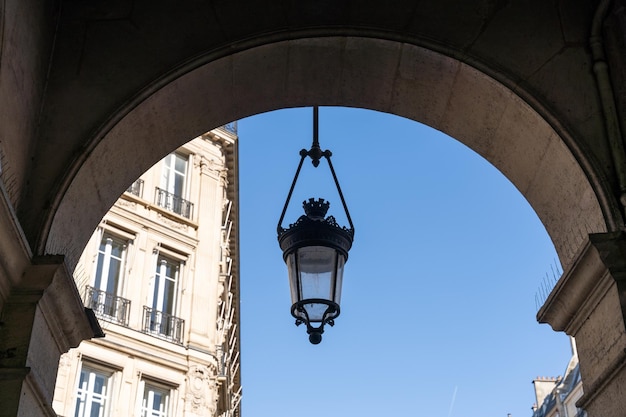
161, 274
557, 396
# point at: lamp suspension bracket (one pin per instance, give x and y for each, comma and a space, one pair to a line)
315, 153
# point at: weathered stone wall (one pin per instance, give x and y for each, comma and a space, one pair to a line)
26, 38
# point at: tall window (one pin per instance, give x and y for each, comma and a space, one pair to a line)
165, 285
104, 297
174, 173
93, 397
155, 401
159, 318
110, 261
173, 188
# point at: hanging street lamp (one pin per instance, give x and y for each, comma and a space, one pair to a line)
315, 249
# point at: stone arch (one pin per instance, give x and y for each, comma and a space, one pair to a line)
388, 76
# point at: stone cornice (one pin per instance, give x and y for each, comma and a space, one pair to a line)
61, 304
581, 287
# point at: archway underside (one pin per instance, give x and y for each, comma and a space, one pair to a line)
386, 76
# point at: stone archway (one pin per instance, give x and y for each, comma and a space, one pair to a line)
501, 122
388, 76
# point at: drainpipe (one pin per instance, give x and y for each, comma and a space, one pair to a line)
605, 89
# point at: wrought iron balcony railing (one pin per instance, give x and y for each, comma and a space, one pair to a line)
107, 306
173, 203
231, 127
136, 188
163, 325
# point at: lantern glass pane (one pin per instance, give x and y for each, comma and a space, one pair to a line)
341, 261
316, 265
292, 270
315, 311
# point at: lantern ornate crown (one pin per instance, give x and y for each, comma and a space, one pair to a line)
315, 209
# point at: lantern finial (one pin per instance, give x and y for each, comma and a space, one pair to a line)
315, 209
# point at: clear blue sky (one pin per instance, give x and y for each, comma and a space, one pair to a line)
438, 305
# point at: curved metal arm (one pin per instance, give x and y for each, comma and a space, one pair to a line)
315, 153
343, 201
279, 227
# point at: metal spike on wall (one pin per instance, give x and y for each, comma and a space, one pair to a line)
547, 284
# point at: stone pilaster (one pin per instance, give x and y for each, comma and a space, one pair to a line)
203, 314
589, 303
41, 319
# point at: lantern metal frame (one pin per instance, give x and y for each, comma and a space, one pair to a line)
314, 229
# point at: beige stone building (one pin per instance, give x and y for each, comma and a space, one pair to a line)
161, 274
557, 396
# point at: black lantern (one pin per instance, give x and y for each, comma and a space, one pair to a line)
315, 249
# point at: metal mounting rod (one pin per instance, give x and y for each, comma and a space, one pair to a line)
315, 153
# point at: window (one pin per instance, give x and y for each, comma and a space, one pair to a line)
173, 189
165, 285
174, 173
155, 401
104, 296
110, 262
93, 393
159, 318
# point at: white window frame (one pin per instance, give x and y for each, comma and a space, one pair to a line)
85, 397
106, 264
147, 388
169, 173
160, 277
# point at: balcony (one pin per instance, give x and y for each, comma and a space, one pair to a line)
173, 203
136, 188
107, 306
163, 325
230, 127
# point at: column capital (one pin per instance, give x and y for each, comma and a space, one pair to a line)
600, 263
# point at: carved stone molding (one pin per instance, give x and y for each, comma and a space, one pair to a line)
201, 391
171, 223
131, 205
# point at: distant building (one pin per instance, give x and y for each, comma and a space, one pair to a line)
556, 397
161, 274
